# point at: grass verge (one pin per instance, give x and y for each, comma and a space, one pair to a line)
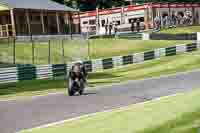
76, 49
158, 67
151, 117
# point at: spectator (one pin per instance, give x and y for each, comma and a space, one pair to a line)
110, 28
138, 25
170, 22
166, 21
106, 28
174, 19
184, 21
132, 26
115, 27
157, 23
180, 20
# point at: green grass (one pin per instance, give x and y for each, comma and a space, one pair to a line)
158, 67
179, 30
31, 88
187, 123
152, 117
77, 49
163, 66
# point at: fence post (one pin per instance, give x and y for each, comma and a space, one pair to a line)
88, 42
8, 39
63, 51
49, 48
14, 51
7, 31
1, 31
33, 52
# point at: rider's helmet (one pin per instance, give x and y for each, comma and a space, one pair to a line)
78, 67
79, 62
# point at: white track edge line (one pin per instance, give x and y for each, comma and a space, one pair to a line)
120, 109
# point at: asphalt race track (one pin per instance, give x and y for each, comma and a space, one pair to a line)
32, 112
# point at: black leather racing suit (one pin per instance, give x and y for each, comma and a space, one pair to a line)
81, 76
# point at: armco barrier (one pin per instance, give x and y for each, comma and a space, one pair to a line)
107, 63
31, 72
44, 71
8, 75
170, 51
88, 65
59, 70
26, 72
191, 47
127, 59
149, 55
165, 36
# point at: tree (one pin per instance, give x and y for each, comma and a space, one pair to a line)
118, 3
102, 4
72, 3
88, 5
83, 5
59, 1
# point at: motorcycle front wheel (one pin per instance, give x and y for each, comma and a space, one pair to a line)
82, 87
70, 88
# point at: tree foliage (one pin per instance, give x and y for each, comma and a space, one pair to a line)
59, 1
179, 1
87, 5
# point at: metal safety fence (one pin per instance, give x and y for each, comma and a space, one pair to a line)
52, 71
38, 52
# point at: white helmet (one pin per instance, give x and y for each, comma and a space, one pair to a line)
79, 61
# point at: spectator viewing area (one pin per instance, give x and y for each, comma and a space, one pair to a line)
148, 15
38, 17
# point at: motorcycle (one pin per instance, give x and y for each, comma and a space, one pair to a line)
76, 80
75, 86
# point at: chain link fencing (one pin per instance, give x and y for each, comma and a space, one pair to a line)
38, 52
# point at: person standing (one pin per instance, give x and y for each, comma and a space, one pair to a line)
159, 22
106, 28
132, 26
110, 28
166, 21
138, 25
173, 20
115, 28
156, 22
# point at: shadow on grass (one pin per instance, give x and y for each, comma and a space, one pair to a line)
102, 75
31, 86
102, 78
5, 65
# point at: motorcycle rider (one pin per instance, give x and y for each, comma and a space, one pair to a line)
78, 72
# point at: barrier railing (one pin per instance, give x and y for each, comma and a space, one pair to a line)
32, 72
